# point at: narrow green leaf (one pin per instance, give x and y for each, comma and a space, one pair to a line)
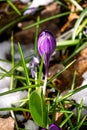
17, 19
24, 65
36, 36
19, 89
57, 74
14, 109
82, 15
12, 54
71, 93
46, 19
75, 52
40, 70
79, 112
14, 7
66, 43
81, 122
63, 122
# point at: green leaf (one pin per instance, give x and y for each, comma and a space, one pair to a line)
45, 20
24, 64
38, 109
82, 15
14, 7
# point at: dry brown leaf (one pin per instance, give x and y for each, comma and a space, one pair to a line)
58, 117
80, 66
71, 17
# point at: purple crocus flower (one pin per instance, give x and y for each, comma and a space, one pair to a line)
53, 127
46, 46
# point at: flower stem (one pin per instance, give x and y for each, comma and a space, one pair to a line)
45, 83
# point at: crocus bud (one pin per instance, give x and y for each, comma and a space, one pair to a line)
46, 46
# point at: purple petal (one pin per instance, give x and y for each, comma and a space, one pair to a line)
86, 31
30, 11
34, 63
54, 127
33, 73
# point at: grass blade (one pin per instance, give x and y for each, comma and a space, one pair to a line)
46, 19
82, 15
14, 7
24, 65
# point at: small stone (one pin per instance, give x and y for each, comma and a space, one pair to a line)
31, 125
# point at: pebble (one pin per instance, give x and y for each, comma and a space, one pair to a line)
31, 125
